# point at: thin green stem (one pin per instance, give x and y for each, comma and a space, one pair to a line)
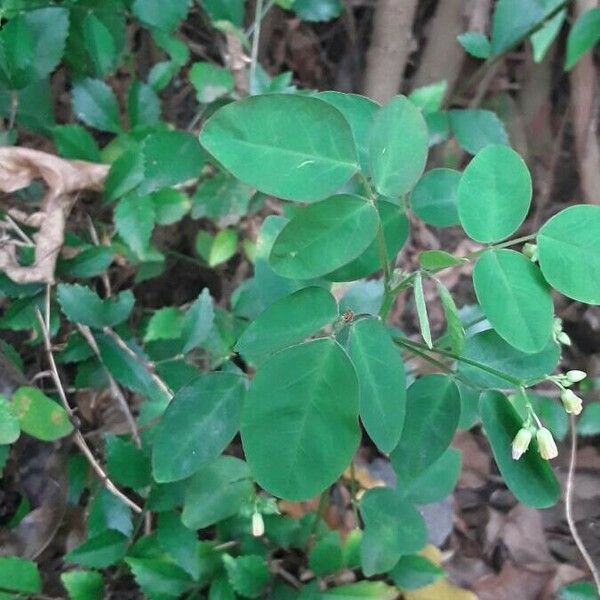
318, 516
410, 344
353, 494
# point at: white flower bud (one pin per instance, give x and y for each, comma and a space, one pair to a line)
575, 376
258, 524
563, 338
521, 443
571, 401
531, 252
546, 444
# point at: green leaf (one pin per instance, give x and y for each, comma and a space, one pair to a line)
515, 298
220, 589
569, 250
413, 572
434, 260
583, 36
589, 422
224, 246
475, 43
17, 57
361, 589
398, 147
19, 575
221, 198
530, 478
476, 129
143, 105
435, 483
83, 585
248, 574
210, 81
287, 321
582, 590
198, 321
326, 557
421, 306
179, 542
542, 39
134, 220
454, 327
90, 262
395, 232
101, 551
39, 416
165, 324
434, 197
225, 10
170, 206
73, 141
494, 194
432, 413
392, 527
203, 417
95, 104
512, 20
125, 174
107, 512
216, 492
128, 371
324, 236
99, 44
360, 112
127, 464
381, 379
300, 419
318, 10
10, 429
306, 158
170, 157
490, 351
429, 98
82, 305
157, 14
158, 578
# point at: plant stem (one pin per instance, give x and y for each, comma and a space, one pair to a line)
569, 507
410, 344
255, 42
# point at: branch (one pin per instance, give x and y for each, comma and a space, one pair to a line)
78, 438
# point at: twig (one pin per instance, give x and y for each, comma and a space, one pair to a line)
96, 241
279, 570
78, 438
149, 366
255, 42
114, 387
569, 507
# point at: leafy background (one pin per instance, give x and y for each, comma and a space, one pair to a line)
165, 269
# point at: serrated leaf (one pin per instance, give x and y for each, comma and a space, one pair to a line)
165, 324
95, 104
179, 542
159, 578
101, 551
143, 105
134, 220
99, 44
81, 305
248, 574
83, 585
157, 14
73, 141
19, 575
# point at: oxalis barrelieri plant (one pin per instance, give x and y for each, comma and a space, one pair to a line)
303, 360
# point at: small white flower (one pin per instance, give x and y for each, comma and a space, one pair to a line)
546, 444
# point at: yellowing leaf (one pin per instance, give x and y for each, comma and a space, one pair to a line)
440, 590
